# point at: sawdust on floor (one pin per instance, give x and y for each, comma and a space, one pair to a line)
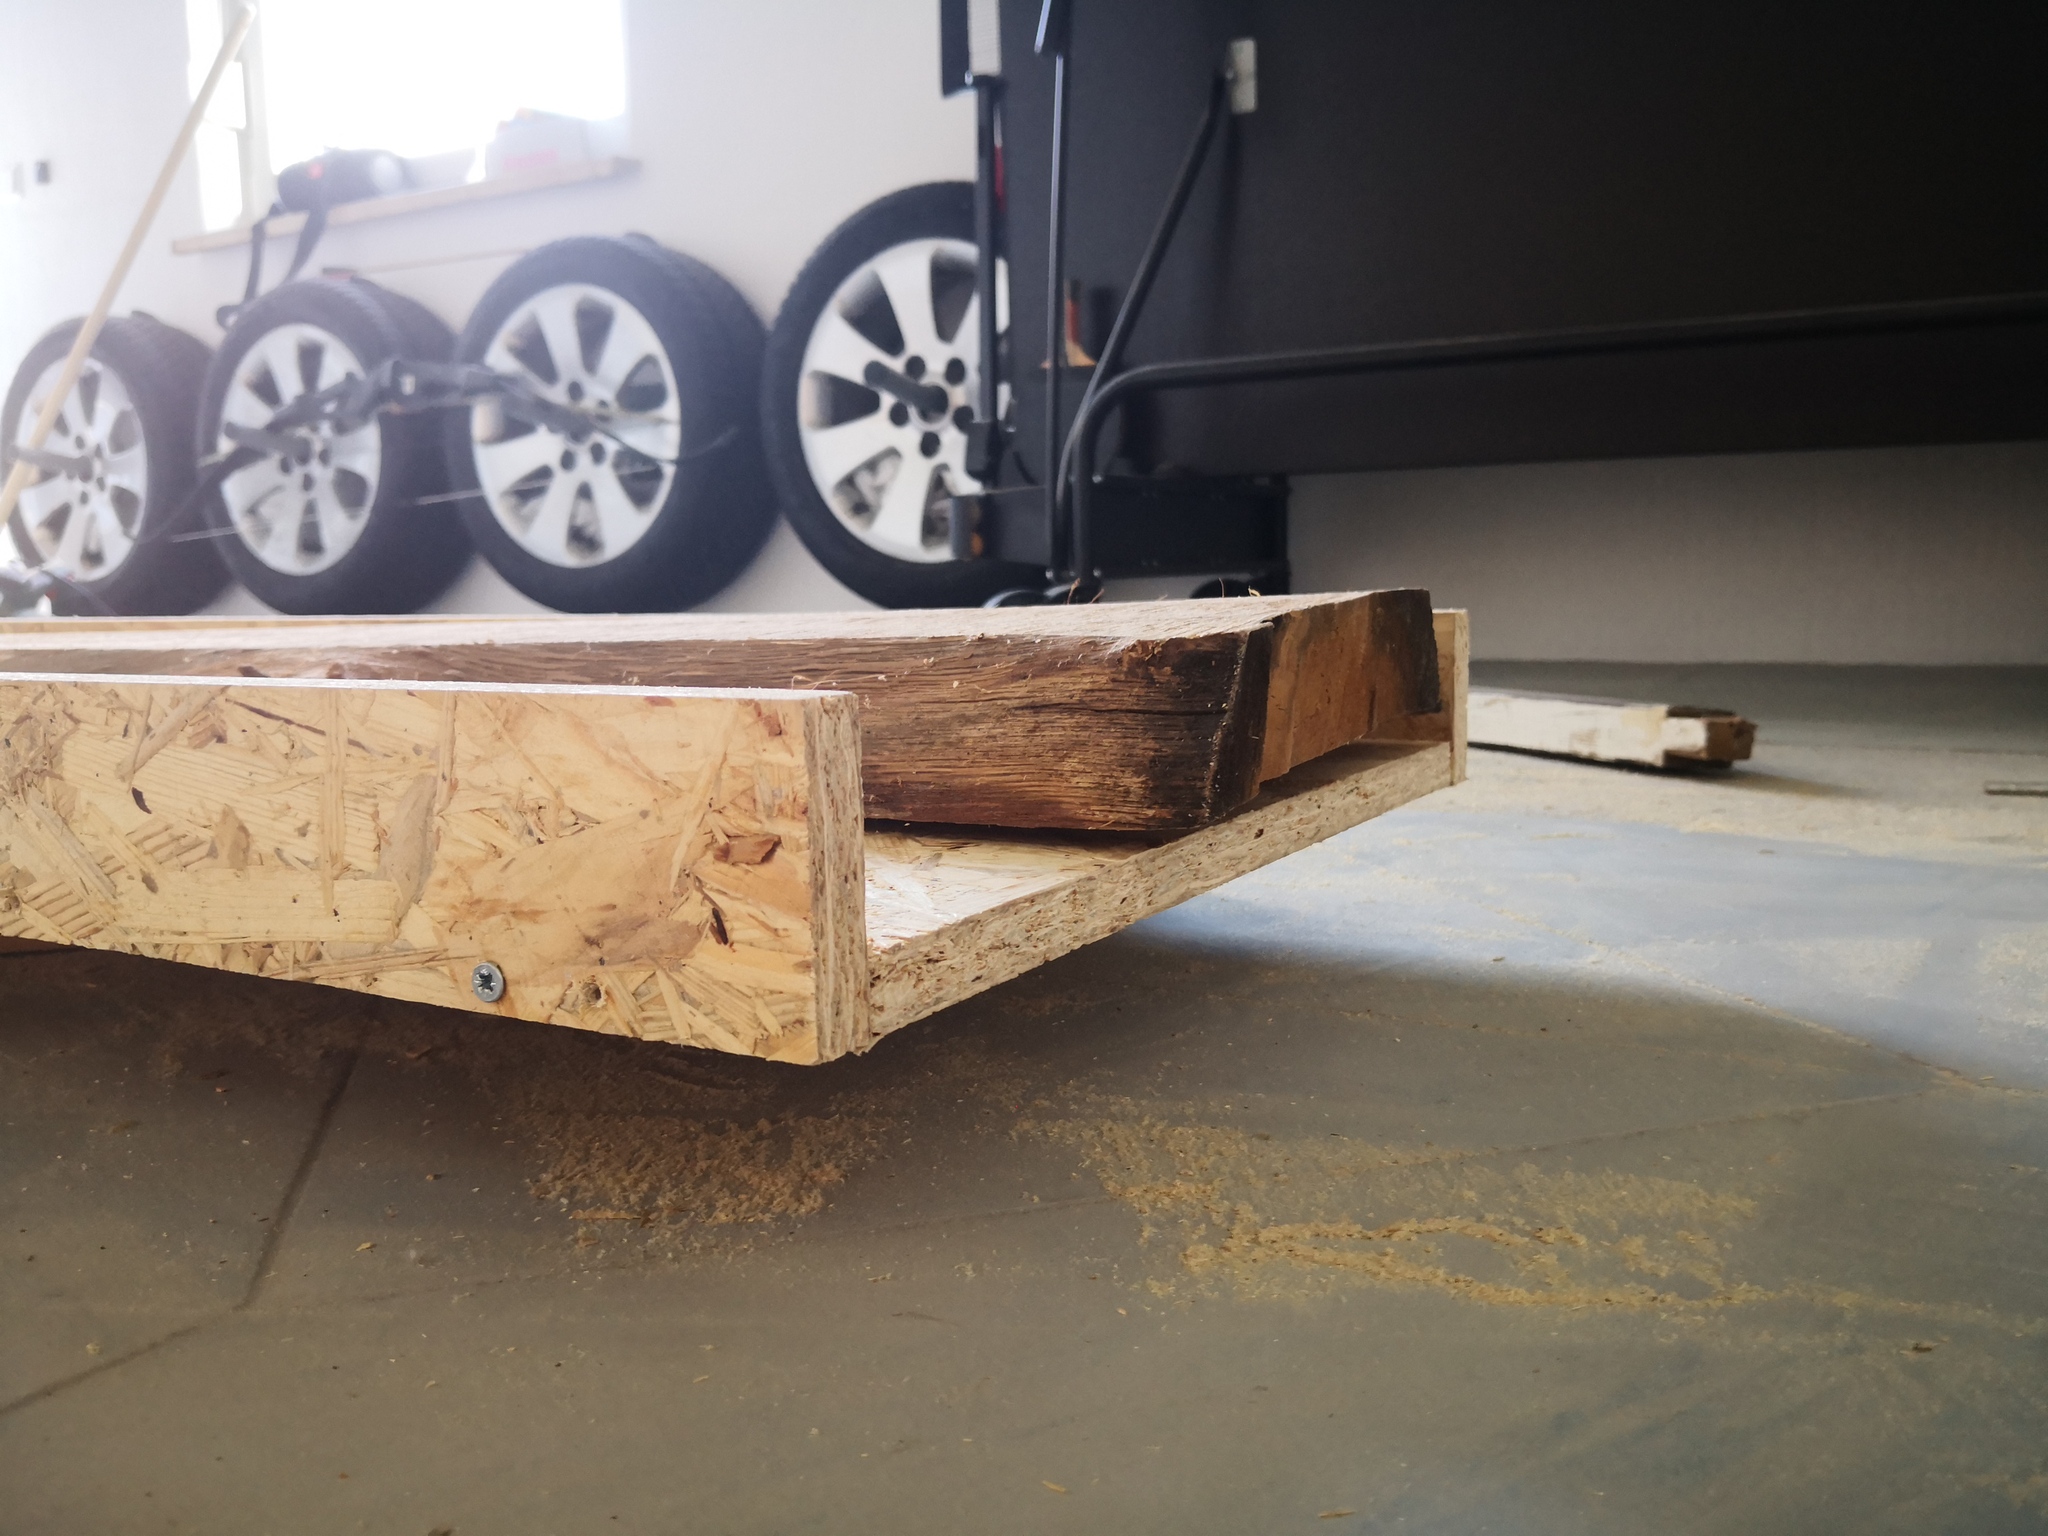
1267, 1216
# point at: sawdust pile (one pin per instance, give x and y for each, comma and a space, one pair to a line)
652, 1136
1272, 1216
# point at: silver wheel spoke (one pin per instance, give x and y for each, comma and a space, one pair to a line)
906, 275
513, 458
65, 556
628, 339
838, 349
548, 534
839, 451
649, 435
556, 316
282, 358
280, 530
621, 521
329, 518
44, 497
899, 524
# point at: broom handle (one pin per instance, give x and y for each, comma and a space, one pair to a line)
89, 332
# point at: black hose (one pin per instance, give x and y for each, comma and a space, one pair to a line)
1134, 300
1527, 346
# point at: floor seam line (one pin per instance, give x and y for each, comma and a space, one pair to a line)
50, 1390
288, 1205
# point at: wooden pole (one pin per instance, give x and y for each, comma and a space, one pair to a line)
89, 332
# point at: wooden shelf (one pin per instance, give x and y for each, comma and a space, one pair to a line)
425, 200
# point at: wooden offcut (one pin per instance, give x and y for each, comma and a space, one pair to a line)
680, 865
1609, 730
1133, 717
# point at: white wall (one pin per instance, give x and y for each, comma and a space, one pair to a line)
760, 125
1911, 555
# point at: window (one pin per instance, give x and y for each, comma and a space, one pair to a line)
421, 78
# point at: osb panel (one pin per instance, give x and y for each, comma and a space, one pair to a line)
636, 861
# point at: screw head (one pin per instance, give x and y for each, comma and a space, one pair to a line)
487, 982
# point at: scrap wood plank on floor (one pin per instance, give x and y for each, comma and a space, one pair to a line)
1608, 730
1132, 717
688, 866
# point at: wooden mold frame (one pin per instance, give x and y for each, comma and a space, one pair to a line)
686, 865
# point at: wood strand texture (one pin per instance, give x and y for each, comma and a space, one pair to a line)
640, 862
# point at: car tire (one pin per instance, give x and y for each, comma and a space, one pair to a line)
863, 479
668, 499
114, 538
363, 525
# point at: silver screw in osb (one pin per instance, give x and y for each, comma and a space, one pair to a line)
487, 982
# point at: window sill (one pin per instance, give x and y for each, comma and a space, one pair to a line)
422, 201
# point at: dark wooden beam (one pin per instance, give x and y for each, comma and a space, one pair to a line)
1132, 717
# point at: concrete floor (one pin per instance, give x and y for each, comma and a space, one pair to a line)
1578, 1151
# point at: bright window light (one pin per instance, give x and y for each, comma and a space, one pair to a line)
423, 77
218, 148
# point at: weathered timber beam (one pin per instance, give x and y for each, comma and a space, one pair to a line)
1446, 723
1140, 717
658, 862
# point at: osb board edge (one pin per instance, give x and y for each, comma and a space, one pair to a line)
934, 971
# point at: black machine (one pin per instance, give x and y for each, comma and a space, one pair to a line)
1603, 232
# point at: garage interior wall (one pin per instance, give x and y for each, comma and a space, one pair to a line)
759, 127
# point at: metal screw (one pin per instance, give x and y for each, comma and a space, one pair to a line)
487, 982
